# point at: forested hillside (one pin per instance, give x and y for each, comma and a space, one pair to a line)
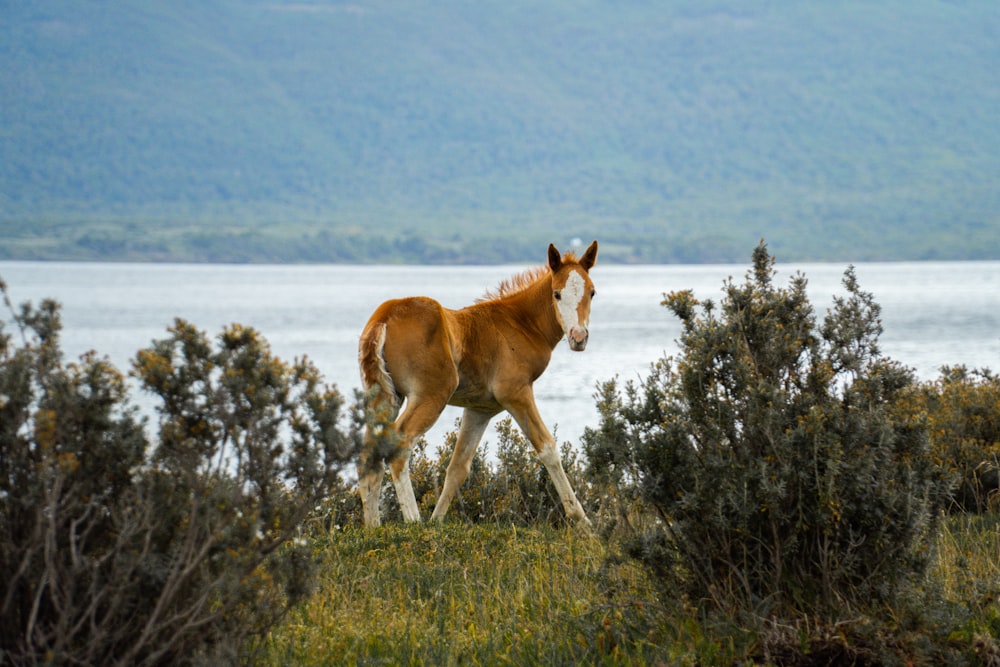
232, 130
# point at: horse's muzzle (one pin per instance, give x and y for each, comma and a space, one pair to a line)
578, 339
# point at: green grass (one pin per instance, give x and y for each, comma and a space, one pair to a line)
459, 594
966, 576
464, 594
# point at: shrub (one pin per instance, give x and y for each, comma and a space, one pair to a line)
113, 551
963, 410
787, 462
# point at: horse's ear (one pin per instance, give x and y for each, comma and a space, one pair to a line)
555, 259
590, 257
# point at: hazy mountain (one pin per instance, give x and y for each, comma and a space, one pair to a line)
473, 131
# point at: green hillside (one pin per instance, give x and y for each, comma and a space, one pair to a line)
233, 130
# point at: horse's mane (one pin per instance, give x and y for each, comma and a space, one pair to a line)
520, 282
514, 285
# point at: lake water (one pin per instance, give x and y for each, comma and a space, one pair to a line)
934, 314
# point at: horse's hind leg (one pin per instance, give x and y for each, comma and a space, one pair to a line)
471, 431
370, 473
417, 417
399, 467
371, 464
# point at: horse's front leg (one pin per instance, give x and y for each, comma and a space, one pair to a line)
471, 431
522, 407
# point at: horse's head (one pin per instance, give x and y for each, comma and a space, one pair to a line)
572, 291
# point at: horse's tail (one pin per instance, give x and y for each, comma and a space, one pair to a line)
371, 359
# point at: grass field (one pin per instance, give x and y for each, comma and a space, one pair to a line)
493, 595
463, 594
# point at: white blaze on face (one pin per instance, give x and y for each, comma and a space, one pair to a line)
568, 304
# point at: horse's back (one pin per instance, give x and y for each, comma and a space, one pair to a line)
416, 345
418, 316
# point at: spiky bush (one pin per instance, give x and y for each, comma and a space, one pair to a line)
115, 550
963, 408
789, 468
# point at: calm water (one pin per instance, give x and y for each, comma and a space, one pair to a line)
933, 313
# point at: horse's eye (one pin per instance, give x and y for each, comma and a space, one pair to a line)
593, 293
557, 295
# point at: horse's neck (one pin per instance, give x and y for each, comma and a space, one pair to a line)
534, 305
